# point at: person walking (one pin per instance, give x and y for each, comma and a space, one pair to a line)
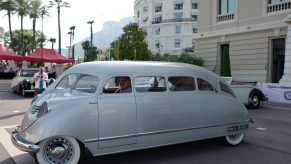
40, 79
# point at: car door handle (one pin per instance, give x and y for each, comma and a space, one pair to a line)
93, 102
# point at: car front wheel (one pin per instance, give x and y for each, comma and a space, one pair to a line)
234, 139
61, 149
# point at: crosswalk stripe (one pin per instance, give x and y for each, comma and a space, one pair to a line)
18, 156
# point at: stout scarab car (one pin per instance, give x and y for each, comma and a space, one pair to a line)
164, 103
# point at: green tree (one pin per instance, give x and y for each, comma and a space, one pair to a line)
23, 8
9, 6
132, 44
183, 58
225, 71
35, 13
27, 40
59, 4
53, 41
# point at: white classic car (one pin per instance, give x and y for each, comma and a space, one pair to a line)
247, 92
116, 106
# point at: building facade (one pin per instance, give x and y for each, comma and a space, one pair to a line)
257, 34
169, 25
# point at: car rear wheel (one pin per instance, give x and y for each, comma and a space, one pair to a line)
61, 149
255, 100
234, 139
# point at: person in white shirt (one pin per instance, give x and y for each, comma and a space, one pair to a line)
40, 80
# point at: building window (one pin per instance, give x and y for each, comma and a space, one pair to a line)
158, 8
157, 44
178, 29
226, 6
145, 19
178, 6
194, 30
158, 31
278, 6
138, 14
276, 1
177, 43
158, 19
194, 17
145, 9
194, 5
178, 16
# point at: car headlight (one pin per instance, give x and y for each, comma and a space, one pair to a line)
41, 110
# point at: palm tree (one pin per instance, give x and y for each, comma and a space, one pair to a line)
52, 40
59, 4
86, 46
23, 8
91, 43
72, 28
9, 6
34, 14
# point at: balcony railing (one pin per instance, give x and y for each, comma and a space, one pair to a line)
225, 17
174, 20
272, 8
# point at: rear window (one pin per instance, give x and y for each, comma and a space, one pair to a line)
181, 83
204, 85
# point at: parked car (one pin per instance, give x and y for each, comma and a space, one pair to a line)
22, 82
167, 103
247, 92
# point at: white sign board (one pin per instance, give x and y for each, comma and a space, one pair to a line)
277, 92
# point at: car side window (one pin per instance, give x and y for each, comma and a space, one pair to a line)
150, 84
181, 83
118, 84
87, 83
67, 81
204, 85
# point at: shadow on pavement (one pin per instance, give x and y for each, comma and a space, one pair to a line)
11, 115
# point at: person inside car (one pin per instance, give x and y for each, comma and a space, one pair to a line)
124, 85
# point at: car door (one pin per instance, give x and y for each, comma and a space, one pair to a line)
117, 115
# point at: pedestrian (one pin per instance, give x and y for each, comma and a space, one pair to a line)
40, 79
54, 71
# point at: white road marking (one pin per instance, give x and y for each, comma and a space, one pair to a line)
16, 111
18, 156
259, 128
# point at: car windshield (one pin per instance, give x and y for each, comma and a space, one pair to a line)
28, 73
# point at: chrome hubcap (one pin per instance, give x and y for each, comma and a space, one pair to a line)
234, 137
59, 151
255, 100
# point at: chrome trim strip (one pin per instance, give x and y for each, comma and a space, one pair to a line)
159, 132
21, 145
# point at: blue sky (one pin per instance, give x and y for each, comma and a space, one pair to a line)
77, 15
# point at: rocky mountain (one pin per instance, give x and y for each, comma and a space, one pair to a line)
110, 31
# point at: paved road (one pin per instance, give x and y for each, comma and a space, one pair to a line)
268, 140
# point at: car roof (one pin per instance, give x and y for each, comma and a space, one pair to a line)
111, 67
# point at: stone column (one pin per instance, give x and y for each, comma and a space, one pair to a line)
286, 78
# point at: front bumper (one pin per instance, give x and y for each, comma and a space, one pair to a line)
20, 144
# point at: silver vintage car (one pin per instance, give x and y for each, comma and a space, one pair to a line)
116, 106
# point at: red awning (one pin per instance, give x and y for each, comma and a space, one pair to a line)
5, 54
47, 55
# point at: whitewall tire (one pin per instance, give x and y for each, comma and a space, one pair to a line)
61, 149
235, 139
